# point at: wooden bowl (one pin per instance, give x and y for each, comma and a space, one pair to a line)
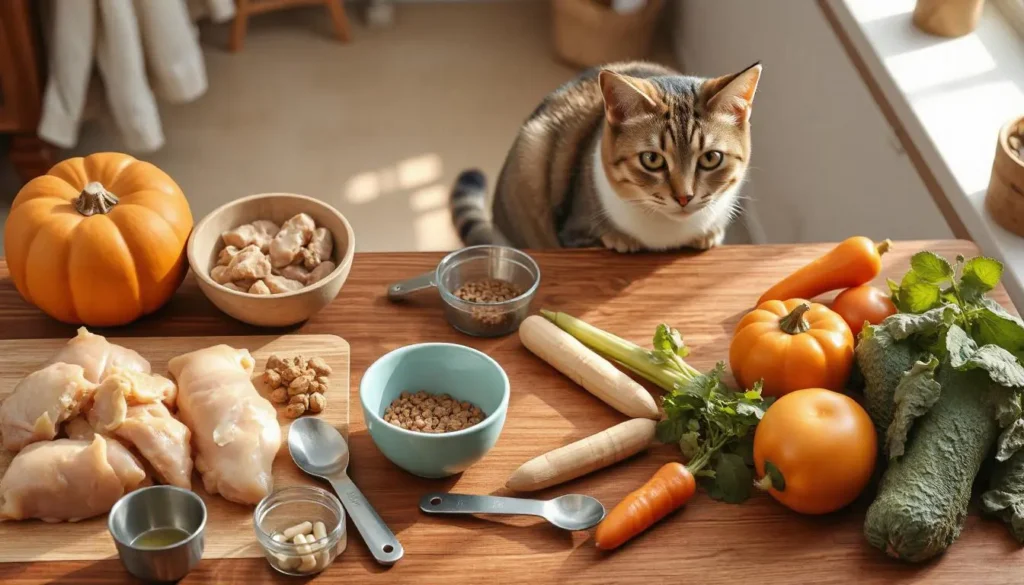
1004, 199
276, 310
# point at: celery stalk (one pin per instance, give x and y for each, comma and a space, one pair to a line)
636, 359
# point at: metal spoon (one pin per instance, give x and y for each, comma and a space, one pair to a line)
569, 512
320, 450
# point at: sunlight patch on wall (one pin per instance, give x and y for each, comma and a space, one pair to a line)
429, 198
418, 171
410, 173
943, 63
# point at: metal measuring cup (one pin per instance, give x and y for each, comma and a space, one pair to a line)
471, 264
153, 508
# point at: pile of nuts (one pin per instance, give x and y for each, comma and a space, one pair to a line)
298, 382
302, 535
488, 290
1016, 143
424, 412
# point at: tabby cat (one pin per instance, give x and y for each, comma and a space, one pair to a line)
631, 156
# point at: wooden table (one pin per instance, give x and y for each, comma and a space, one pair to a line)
706, 542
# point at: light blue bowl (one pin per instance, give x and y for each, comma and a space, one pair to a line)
438, 368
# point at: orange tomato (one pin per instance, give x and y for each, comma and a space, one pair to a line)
791, 345
821, 444
863, 303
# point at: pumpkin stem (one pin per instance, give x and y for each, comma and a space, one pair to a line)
794, 322
883, 246
94, 199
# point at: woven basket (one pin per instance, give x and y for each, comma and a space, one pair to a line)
588, 34
1005, 197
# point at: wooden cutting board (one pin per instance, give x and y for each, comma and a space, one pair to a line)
229, 532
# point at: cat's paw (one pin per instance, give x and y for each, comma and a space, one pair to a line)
621, 243
709, 240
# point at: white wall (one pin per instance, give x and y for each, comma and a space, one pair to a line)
825, 164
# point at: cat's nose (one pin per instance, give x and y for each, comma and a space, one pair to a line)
688, 197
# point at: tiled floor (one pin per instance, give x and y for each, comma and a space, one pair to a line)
379, 128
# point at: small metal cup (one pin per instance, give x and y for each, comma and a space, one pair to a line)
474, 263
154, 507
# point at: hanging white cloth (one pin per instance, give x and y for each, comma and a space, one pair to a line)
142, 48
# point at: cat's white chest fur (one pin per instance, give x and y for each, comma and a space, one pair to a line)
654, 230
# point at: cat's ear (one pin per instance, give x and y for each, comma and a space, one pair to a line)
626, 96
734, 94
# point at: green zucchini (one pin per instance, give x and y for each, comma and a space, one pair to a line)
882, 361
923, 496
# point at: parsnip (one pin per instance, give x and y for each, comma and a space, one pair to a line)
585, 367
584, 456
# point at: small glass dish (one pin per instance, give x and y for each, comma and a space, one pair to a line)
477, 263
291, 506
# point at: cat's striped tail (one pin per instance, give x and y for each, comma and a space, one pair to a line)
469, 210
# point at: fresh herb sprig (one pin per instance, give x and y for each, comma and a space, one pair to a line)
712, 424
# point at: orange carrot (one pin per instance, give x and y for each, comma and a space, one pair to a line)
854, 262
671, 487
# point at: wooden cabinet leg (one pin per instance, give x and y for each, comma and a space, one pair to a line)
30, 156
239, 26
339, 19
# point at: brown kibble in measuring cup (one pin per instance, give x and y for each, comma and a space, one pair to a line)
488, 290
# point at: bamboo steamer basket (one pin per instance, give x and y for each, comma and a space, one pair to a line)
1005, 197
587, 33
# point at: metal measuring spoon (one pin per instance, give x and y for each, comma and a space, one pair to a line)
320, 450
569, 512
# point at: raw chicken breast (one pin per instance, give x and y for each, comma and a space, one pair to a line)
67, 480
97, 355
146, 388
162, 440
40, 402
234, 429
79, 429
109, 406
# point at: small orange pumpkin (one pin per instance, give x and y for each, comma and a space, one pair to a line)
791, 345
98, 240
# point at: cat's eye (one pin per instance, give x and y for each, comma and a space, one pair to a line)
710, 160
652, 161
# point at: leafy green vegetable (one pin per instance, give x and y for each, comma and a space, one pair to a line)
903, 325
978, 404
1010, 441
1002, 367
974, 332
734, 478
1007, 406
1005, 496
917, 392
930, 267
980, 275
712, 424
716, 422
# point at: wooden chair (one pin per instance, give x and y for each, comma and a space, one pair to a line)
21, 90
246, 8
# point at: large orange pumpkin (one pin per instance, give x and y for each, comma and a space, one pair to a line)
98, 240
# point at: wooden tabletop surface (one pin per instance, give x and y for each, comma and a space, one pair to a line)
706, 542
